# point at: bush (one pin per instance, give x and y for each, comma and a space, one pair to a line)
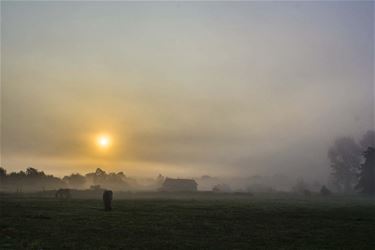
325, 191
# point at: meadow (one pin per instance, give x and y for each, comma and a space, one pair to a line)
188, 221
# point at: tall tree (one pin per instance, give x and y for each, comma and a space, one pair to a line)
345, 157
33, 172
3, 172
3, 175
366, 183
368, 140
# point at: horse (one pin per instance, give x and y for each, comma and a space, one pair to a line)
63, 193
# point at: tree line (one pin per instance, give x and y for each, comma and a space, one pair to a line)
353, 164
34, 180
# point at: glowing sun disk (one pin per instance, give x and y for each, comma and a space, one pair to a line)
103, 141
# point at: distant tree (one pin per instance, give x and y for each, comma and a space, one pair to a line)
121, 175
16, 180
368, 140
100, 172
31, 180
115, 179
345, 157
75, 180
33, 172
366, 183
3, 176
98, 177
3, 172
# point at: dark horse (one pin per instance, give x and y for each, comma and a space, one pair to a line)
63, 193
107, 200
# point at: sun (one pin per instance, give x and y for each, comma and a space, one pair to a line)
103, 141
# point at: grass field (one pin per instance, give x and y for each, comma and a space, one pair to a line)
189, 222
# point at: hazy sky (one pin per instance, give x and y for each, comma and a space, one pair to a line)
184, 89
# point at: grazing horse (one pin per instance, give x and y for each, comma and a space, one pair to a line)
63, 193
107, 200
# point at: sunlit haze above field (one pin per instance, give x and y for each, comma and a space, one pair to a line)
184, 88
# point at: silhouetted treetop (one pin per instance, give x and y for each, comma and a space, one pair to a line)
366, 183
345, 157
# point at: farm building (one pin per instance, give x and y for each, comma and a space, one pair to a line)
179, 185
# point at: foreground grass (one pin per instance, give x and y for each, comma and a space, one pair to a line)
277, 222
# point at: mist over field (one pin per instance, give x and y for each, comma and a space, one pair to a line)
185, 89
187, 125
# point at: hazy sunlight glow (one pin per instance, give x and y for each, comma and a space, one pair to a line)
103, 141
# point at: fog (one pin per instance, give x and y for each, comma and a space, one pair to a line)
185, 89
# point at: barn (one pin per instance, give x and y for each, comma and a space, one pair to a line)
179, 185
